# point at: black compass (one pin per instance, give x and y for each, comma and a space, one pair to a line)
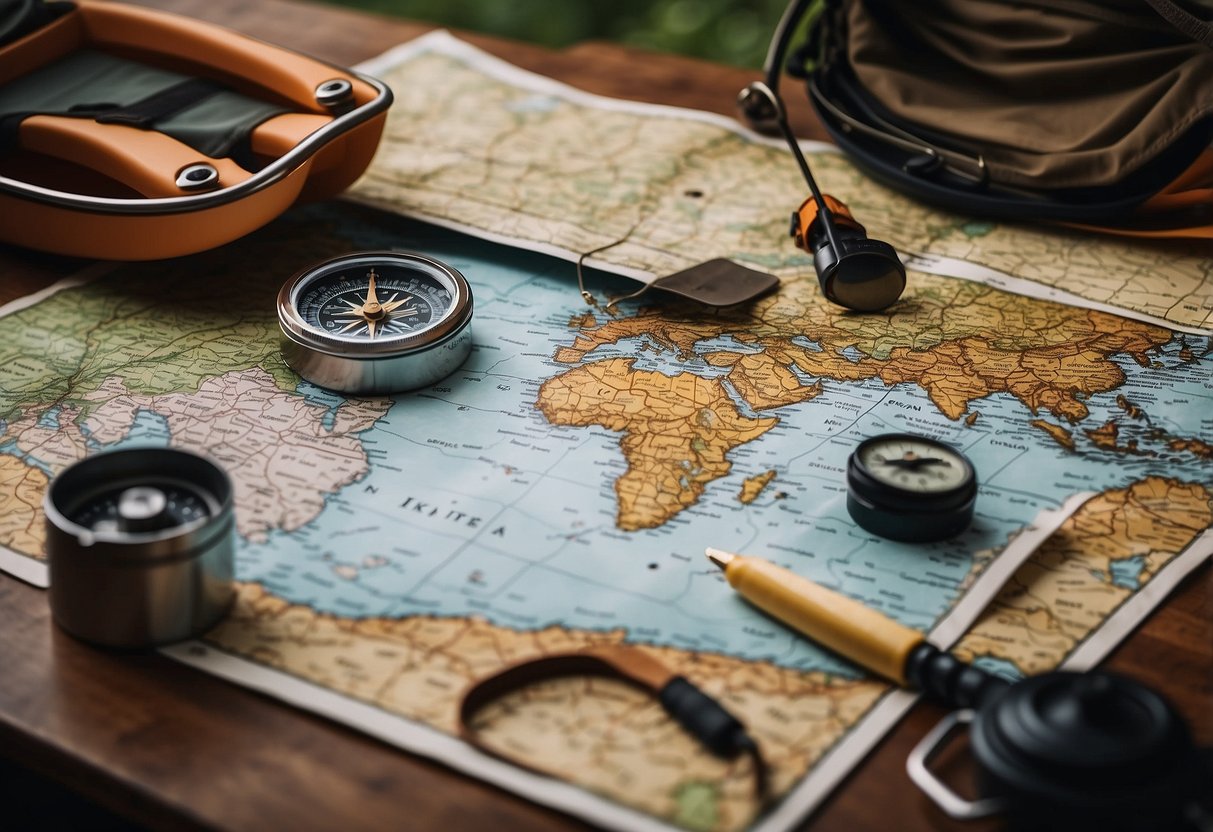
907, 487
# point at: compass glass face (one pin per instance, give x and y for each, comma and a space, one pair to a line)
373, 299
150, 506
916, 465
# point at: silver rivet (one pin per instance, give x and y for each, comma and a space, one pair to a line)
197, 177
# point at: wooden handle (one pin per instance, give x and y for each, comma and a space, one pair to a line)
846, 626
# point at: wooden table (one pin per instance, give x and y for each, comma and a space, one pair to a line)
173, 748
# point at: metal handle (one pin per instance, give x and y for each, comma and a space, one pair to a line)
949, 801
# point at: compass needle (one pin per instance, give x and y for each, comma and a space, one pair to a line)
392, 306
371, 297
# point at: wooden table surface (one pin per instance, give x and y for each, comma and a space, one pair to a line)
173, 748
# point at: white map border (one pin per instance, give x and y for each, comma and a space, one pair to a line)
442, 42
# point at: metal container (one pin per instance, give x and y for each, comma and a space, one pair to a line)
141, 547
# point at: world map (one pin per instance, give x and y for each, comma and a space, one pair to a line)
557, 491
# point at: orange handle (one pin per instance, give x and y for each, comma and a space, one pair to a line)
288, 74
143, 160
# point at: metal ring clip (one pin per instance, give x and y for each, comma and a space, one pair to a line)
949, 801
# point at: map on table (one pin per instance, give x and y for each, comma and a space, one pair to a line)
558, 491
480, 145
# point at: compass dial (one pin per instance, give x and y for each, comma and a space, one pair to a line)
145, 507
376, 322
915, 464
140, 546
380, 302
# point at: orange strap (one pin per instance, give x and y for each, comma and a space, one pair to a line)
807, 213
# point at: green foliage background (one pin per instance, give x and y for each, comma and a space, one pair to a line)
725, 31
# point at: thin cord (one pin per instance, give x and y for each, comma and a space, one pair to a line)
778, 114
826, 215
773, 67
609, 306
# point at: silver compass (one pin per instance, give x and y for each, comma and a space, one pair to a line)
376, 322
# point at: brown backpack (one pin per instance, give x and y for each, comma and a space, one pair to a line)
1087, 112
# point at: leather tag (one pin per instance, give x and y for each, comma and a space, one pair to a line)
718, 282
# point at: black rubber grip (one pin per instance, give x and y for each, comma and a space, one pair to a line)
705, 718
947, 679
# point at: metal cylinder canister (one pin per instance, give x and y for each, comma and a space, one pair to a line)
140, 546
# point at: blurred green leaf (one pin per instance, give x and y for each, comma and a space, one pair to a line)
726, 31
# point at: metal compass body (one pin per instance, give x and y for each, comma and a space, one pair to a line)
908, 487
376, 322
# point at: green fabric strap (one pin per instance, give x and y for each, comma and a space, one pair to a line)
209, 118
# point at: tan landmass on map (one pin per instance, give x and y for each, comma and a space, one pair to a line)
1062, 436
959, 341
753, 486
600, 734
57, 443
1066, 590
677, 432
1131, 410
1198, 447
764, 381
714, 359
21, 490
1106, 437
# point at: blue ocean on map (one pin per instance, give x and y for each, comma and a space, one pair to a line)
474, 504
